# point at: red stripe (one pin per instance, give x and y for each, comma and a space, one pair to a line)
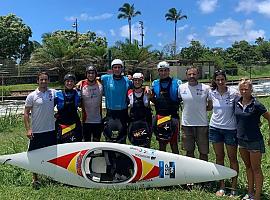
139, 169
63, 126
130, 92
63, 161
153, 173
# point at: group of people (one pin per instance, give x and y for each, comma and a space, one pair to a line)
235, 120
235, 123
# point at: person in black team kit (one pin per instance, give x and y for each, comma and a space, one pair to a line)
67, 101
139, 130
165, 98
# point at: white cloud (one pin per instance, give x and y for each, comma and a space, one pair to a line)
192, 36
86, 17
231, 30
101, 33
248, 24
135, 31
228, 27
261, 7
264, 8
207, 6
160, 44
181, 28
112, 32
220, 41
246, 6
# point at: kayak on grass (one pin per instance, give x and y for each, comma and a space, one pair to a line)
112, 165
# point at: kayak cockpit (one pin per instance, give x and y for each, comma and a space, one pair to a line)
108, 166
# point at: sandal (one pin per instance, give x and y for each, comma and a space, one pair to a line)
248, 197
220, 193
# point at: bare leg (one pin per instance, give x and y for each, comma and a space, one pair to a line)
245, 155
232, 154
35, 177
174, 147
162, 146
190, 154
255, 158
219, 152
203, 157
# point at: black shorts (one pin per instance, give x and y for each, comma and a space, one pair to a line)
43, 139
72, 135
92, 131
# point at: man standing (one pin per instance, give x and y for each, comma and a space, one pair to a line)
165, 98
115, 87
40, 103
194, 115
91, 91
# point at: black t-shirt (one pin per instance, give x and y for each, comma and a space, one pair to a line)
248, 119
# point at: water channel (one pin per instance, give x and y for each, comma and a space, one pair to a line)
16, 106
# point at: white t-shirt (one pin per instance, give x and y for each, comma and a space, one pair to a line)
42, 110
223, 115
91, 102
194, 103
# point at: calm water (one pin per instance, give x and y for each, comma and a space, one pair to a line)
17, 106
11, 106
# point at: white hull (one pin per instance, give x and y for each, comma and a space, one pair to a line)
90, 165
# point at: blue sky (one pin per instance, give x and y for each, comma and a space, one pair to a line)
215, 23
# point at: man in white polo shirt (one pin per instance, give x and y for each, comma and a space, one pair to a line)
194, 115
39, 107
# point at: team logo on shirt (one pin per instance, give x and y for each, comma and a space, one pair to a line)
199, 91
50, 95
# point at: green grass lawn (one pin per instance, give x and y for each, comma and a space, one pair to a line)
15, 183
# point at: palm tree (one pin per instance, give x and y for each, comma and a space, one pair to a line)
173, 15
259, 41
127, 12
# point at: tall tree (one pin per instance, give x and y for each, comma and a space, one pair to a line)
14, 38
194, 52
174, 16
259, 41
136, 56
127, 11
61, 50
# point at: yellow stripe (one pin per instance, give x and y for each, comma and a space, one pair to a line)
70, 128
146, 168
72, 165
164, 119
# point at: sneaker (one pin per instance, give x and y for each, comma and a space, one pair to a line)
233, 194
36, 185
248, 197
220, 193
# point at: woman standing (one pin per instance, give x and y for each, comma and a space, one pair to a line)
139, 130
68, 124
222, 127
248, 111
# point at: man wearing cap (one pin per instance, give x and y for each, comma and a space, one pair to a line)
91, 91
165, 98
67, 101
115, 87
